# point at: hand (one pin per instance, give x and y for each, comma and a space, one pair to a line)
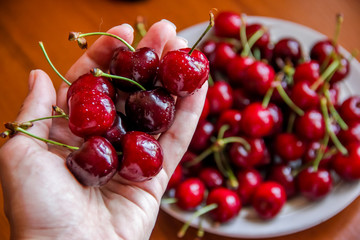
43, 200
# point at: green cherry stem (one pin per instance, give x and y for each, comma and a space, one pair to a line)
234, 184
325, 76
291, 122
252, 40
49, 117
140, 26
267, 97
220, 165
334, 112
200, 157
211, 24
243, 37
168, 200
52, 66
98, 73
321, 151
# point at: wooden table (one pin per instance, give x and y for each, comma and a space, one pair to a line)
24, 23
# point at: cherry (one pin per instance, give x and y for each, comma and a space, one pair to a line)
90, 113
201, 138
190, 193
241, 98
352, 134
304, 97
227, 24
94, 163
308, 71
116, 132
277, 117
322, 50
140, 66
176, 177
150, 111
208, 47
287, 50
142, 157
232, 118
211, 177
190, 170
310, 126
223, 55
342, 71
259, 77
268, 199
220, 97
282, 174
236, 70
263, 41
228, 204
206, 110
249, 179
350, 109
348, 166
289, 147
311, 154
88, 82
257, 120
314, 185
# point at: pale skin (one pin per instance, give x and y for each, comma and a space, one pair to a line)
42, 200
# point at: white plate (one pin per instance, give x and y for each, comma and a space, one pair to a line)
298, 214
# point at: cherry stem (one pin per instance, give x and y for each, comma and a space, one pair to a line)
200, 233
196, 214
339, 21
286, 98
220, 164
200, 157
291, 122
330, 152
210, 80
49, 117
321, 151
243, 37
19, 129
325, 76
233, 182
82, 35
211, 24
267, 97
289, 71
98, 73
337, 143
140, 26
334, 112
237, 140
222, 131
51, 64
252, 40
168, 200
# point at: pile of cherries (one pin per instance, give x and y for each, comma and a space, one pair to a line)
272, 127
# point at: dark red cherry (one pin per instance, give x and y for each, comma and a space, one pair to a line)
350, 109
311, 153
190, 193
263, 41
304, 97
352, 134
150, 111
222, 56
182, 74
232, 118
190, 170
228, 204
348, 166
314, 185
88, 82
282, 174
94, 163
259, 77
310, 126
142, 157
211, 177
208, 47
268, 199
289, 147
322, 49
91, 113
176, 177
236, 70
140, 66
342, 71
119, 128
277, 116
308, 71
249, 179
220, 97
256, 120
201, 138
241, 98
227, 24
287, 51
206, 110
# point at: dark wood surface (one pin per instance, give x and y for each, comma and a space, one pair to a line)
24, 23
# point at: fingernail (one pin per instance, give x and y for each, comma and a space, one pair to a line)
183, 39
171, 23
32, 79
128, 26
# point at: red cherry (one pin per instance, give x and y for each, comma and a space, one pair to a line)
350, 109
263, 41
304, 97
231, 118
322, 49
241, 98
268, 199
206, 110
228, 204
227, 24
176, 177
140, 66
94, 163
342, 71
287, 50
311, 153
223, 55
190, 193
249, 179
236, 70
211, 177
256, 120
282, 174
201, 138
117, 130
259, 77
310, 126
307, 71
91, 113
277, 116
289, 147
190, 170
348, 166
182, 74
220, 97
314, 185
352, 134
142, 157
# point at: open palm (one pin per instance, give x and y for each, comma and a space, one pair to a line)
43, 200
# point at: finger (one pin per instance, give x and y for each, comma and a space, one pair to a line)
175, 141
175, 43
158, 35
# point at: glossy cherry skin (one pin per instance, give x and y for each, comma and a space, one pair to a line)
342, 72
236, 70
201, 138
223, 55
260, 77
352, 134
289, 147
142, 157
94, 163
220, 97
282, 174
176, 177
287, 50
232, 119
150, 111
263, 41
182, 74
206, 110
190, 193
211, 177
348, 167
314, 185
256, 120
227, 24
208, 47
268, 199
308, 71
91, 113
277, 116
304, 97
140, 66
322, 49
310, 126
311, 152
89, 82
350, 109
247, 159
249, 179
228, 204
119, 128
